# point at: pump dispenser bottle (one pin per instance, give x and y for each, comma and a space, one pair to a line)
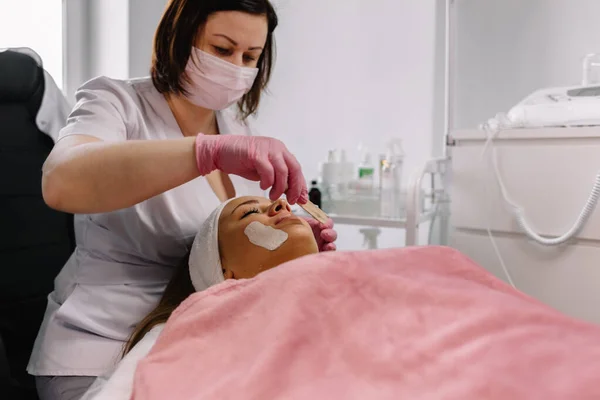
390, 180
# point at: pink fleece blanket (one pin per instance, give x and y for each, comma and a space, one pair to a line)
417, 323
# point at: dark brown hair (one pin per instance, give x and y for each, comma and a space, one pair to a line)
176, 35
178, 289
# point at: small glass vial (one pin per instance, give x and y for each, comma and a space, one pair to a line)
314, 195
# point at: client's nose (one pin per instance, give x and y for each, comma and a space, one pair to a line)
279, 206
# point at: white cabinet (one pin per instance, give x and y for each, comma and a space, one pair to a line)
550, 173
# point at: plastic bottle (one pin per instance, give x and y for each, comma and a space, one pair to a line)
363, 199
331, 172
390, 180
331, 178
314, 195
346, 173
366, 173
385, 185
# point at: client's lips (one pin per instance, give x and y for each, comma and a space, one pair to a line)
285, 218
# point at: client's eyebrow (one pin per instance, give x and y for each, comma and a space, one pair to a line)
243, 204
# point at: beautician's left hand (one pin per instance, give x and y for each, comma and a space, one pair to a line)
324, 234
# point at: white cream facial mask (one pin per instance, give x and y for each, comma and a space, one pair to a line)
265, 236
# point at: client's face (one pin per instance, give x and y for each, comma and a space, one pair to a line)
256, 234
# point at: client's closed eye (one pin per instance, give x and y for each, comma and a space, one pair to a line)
251, 211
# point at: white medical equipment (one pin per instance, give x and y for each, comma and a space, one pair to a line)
591, 69
544, 108
555, 107
566, 106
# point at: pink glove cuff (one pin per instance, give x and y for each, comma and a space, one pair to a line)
206, 149
324, 234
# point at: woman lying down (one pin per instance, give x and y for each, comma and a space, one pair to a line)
416, 323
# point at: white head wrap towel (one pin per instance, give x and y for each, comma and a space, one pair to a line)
205, 260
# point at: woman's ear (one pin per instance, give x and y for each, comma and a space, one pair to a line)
227, 273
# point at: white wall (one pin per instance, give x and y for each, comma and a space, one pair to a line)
36, 24
507, 49
108, 24
353, 71
76, 39
144, 16
350, 72
109, 37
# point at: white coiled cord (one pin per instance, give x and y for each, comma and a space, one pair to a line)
493, 128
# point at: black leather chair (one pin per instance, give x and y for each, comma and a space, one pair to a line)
35, 241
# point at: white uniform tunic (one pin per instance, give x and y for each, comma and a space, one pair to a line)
125, 258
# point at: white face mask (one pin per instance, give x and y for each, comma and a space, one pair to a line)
216, 84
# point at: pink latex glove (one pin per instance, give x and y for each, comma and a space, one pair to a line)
324, 234
255, 158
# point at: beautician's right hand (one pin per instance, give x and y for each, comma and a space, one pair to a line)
255, 158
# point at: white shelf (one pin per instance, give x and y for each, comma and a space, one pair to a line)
468, 135
378, 222
414, 206
370, 221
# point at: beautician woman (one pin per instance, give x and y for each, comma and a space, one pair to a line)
133, 167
